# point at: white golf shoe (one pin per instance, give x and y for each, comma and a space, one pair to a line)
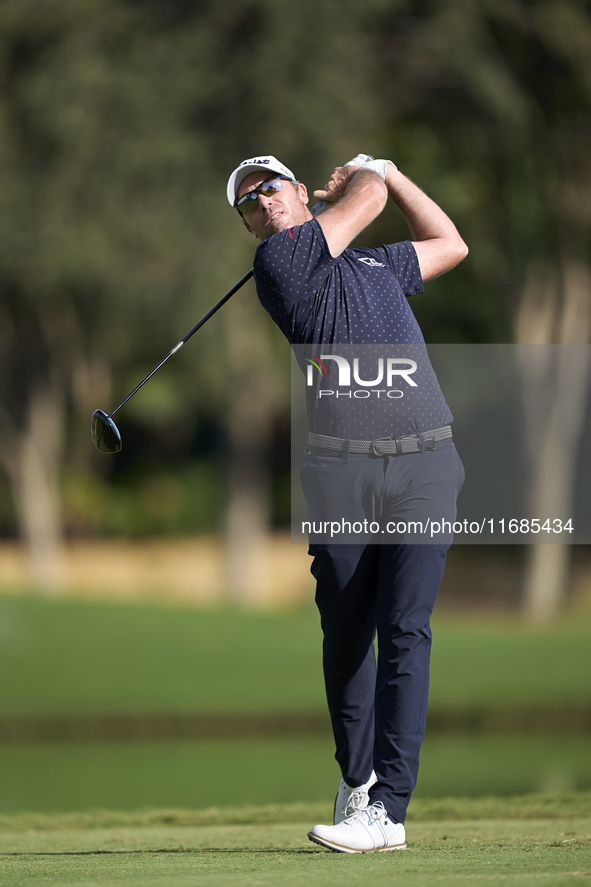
366, 832
351, 800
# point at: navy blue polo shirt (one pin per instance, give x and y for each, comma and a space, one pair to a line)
359, 297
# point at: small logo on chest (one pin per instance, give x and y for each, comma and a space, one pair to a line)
372, 263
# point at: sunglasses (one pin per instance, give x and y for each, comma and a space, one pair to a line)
269, 187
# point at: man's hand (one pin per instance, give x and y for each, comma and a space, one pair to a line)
336, 186
356, 197
438, 245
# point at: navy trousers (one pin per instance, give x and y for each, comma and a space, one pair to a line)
378, 708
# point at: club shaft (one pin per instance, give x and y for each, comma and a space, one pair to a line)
213, 310
149, 376
180, 344
315, 210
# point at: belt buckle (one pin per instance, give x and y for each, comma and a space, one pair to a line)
374, 442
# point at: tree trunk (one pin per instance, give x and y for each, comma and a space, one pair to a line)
546, 581
247, 519
31, 458
555, 386
250, 410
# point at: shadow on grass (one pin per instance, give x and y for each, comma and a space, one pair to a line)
155, 852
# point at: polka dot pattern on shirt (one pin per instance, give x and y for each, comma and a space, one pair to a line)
360, 296
357, 297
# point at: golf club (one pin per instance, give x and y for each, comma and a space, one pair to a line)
105, 434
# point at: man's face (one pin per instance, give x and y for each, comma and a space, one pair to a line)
284, 209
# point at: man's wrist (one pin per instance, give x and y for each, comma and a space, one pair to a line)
379, 166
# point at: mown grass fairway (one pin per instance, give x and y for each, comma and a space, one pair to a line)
271, 848
83, 657
93, 659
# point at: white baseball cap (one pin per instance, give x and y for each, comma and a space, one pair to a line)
263, 161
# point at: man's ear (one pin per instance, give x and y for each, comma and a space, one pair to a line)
248, 228
303, 192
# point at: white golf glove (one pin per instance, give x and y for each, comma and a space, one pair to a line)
360, 160
368, 162
379, 166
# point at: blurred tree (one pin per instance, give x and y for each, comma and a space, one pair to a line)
120, 122
497, 98
104, 180
303, 113
73, 256
556, 302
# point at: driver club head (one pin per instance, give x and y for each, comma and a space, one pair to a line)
105, 434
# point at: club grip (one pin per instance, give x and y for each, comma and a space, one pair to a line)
322, 204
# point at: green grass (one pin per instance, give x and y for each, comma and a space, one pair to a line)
76, 657
130, 775
87, 657
479, 843
500, 661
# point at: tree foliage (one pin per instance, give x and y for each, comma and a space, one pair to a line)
121, 120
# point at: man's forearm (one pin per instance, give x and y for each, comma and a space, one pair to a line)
357, 197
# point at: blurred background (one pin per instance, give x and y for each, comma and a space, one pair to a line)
152, 607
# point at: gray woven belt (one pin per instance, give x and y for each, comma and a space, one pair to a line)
382, 446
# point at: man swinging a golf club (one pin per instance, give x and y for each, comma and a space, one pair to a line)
319, 291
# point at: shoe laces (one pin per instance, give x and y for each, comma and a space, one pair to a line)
372, 813
356, 802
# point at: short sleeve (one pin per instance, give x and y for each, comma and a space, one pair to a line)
403, 260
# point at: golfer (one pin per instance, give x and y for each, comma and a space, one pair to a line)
319, 291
